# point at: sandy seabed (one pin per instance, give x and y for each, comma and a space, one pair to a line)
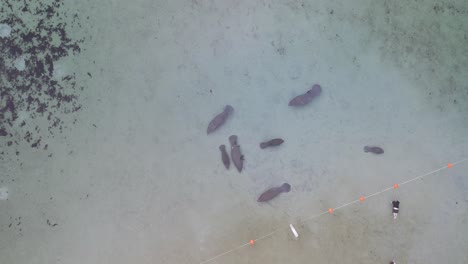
133, 178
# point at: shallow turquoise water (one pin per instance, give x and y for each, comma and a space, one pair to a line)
128, 173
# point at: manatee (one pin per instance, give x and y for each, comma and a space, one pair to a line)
236, 155
273, 192
224, 156
375, 150
305, 98
219, 119
271, 143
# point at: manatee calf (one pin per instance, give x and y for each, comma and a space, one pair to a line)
219, 119
271, 143
305, 98
273, 192
375, 150
224, 156
236, 155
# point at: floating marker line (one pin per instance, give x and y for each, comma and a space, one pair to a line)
312, 217
422, 176
331, 210
346, 204
267, 235
222, 254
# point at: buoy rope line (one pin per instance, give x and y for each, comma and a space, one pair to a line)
331, 210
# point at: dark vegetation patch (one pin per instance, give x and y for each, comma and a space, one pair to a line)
39, 37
